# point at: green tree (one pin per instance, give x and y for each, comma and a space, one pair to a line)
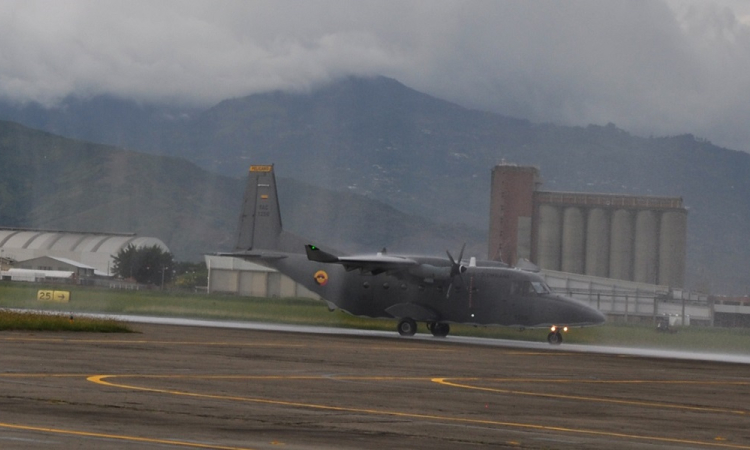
190, 275
147, 265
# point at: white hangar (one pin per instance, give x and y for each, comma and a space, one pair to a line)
91, 249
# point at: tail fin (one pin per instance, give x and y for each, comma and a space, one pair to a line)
260, 219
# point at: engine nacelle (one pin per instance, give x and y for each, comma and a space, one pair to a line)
430, 272
434, 273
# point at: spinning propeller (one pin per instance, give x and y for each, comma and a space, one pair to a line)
456, 269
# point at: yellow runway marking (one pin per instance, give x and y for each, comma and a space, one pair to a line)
118, 437
444, 382
101, 380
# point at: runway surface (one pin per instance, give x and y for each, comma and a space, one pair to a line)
171, 386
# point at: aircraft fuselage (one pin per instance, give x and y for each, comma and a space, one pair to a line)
481, 295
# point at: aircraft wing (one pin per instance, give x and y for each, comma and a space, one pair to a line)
374, 264
255, 254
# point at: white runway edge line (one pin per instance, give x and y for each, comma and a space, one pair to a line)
257, 326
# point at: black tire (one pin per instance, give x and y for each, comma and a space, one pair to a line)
407, 327
441, 329
555, 338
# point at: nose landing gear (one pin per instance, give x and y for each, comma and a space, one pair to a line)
555, 337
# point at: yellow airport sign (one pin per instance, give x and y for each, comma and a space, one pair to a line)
261, 168
53, 296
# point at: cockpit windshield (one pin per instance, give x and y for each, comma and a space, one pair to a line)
540, 287
529, 288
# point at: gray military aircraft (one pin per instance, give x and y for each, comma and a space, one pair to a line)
411, 289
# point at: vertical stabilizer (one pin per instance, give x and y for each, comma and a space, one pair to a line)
260, 219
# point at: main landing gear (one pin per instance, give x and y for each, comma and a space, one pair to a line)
408, 327
438, 329
555, 337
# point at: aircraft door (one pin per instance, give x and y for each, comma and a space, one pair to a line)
521, 302
480, 300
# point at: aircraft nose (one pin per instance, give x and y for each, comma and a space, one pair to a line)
595, 316
585, 314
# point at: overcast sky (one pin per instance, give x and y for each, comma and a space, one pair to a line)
660, 67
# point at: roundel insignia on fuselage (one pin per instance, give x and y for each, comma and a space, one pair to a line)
321, 277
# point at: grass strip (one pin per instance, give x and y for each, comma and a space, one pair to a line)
304, 311
33, 321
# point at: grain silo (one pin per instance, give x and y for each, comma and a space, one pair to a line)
634, 238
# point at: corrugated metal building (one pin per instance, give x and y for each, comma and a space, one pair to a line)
91, 249
237, 276
58, 264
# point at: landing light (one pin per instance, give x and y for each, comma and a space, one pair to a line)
554, 329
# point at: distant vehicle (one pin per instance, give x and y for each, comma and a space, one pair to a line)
411, 289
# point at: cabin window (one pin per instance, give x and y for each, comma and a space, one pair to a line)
539, 287
366, 285
504, 288
386, 286
403, 286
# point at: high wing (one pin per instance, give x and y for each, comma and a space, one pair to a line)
254, 254
374, 264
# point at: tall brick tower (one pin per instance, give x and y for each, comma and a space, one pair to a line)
511, 210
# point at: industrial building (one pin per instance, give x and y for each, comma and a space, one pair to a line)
45, 263
90, 250
632, 238
237, 276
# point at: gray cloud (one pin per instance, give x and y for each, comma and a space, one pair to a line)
651, 67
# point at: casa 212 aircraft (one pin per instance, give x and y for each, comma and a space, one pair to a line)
411, 289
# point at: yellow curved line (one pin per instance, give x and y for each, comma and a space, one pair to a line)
118, 437
100, 379
443, 382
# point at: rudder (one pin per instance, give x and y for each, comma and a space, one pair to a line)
260, 219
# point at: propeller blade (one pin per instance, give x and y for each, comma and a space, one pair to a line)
453, 262
456, 269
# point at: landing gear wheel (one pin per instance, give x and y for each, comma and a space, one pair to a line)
555, 338
407, 327
440, 329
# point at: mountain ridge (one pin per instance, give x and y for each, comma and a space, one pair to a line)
48, 182
379, 138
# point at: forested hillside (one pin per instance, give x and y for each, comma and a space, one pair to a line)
431, 158
54, 183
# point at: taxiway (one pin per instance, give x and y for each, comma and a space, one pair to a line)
172, 386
